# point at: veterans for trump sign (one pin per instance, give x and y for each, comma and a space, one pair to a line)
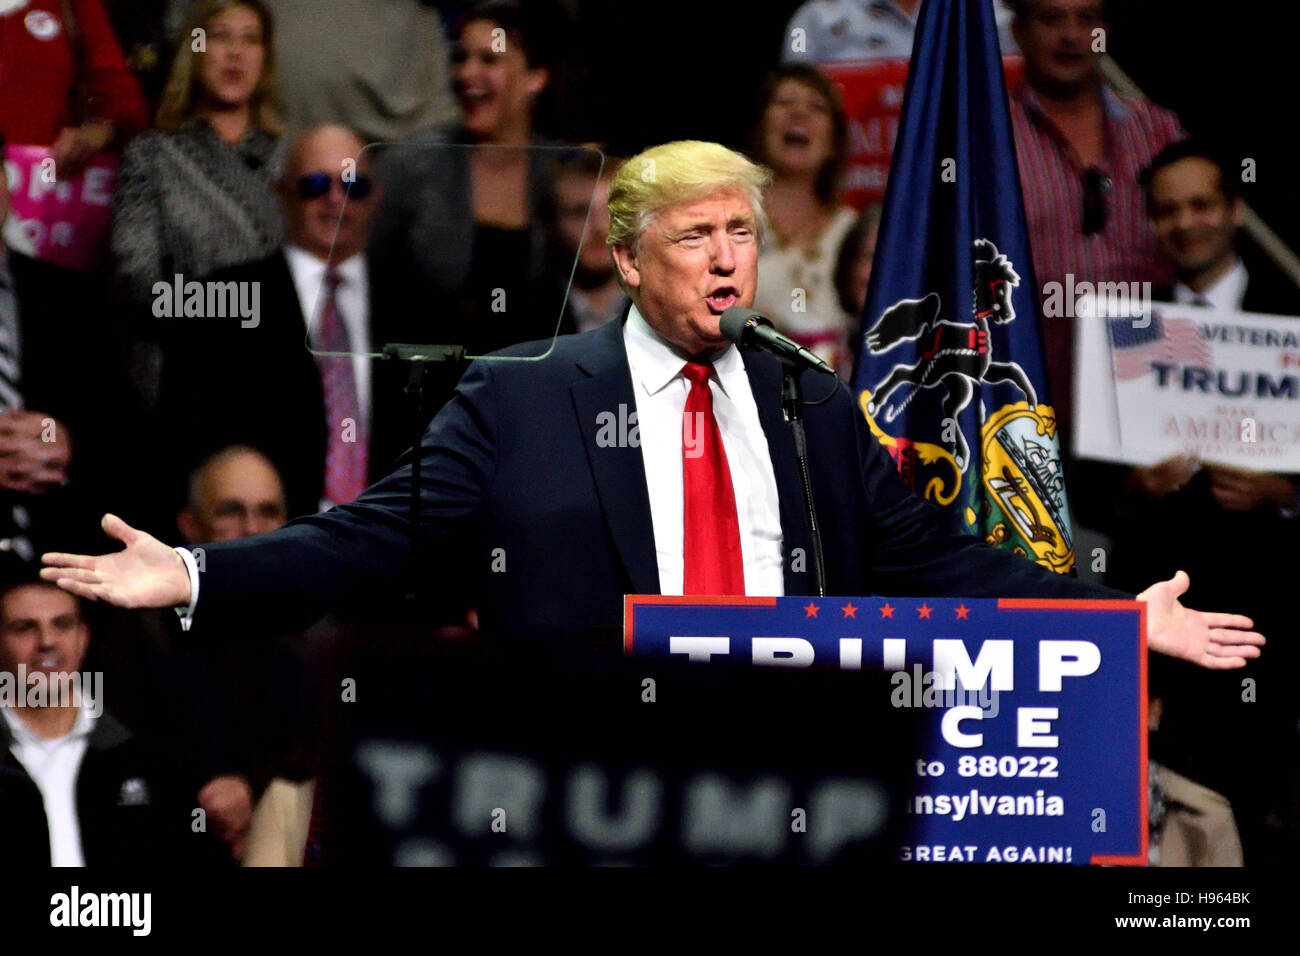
1035, 712
1216, 385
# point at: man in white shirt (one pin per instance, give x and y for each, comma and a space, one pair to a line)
76, 788
43, 636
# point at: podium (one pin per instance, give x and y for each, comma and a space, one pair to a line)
1034, 712
504, 753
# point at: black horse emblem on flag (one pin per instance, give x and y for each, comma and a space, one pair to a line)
953, 355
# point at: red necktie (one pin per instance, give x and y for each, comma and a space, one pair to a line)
346, 457
713, 562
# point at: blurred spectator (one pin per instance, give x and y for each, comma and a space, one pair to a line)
853, 269
1081, 148
235, 493
281, 823
1196, 208
460, 232
861, 30
330, 424
1161, 518
803, 136
381, 68
229, 704
1189, 825
195, 194
76, 787
63, 405
66, 84
578, 216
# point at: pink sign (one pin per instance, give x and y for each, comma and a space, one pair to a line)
63, 221
873, 99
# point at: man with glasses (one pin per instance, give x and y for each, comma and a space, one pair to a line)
1081, 148
257, 383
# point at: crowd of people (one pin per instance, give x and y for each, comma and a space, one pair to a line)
346, 178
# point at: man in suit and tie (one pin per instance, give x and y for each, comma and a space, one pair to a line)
559, 502
331, 424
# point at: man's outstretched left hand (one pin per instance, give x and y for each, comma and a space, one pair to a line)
1215, 641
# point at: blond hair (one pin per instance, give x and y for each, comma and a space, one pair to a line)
178, 104
676, 173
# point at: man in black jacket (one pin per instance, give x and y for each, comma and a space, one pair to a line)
76, 787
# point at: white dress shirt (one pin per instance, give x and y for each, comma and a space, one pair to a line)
1226, 293
660, 390
351, 298
53, 765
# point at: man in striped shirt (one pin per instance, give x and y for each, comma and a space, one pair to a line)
1081, 148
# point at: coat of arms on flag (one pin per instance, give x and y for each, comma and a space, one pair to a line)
1021, 468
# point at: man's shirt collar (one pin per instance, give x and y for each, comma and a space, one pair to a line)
655, 361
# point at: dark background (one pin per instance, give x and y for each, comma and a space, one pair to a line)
691, 69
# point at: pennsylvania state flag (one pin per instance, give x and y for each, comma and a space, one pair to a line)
950, 367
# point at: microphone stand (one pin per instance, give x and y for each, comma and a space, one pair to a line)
420, 358
792, 412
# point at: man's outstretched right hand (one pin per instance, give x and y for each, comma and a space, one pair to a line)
146, 573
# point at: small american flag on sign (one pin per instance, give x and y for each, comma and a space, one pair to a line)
1133, 349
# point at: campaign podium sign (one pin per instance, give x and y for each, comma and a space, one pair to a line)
1035, 711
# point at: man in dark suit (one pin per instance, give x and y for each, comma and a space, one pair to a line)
538, 479
235, 380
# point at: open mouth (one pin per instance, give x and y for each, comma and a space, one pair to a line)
796, 137
721, 299
474, 98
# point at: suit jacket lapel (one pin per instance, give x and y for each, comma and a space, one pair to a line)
765, 382
619, 471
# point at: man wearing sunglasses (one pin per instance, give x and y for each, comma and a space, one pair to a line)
1081, 148
323, 419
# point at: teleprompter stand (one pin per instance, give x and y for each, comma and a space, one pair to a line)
422, 358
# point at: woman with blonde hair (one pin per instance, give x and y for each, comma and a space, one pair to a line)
194, 194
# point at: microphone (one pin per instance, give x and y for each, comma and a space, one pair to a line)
753, 330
